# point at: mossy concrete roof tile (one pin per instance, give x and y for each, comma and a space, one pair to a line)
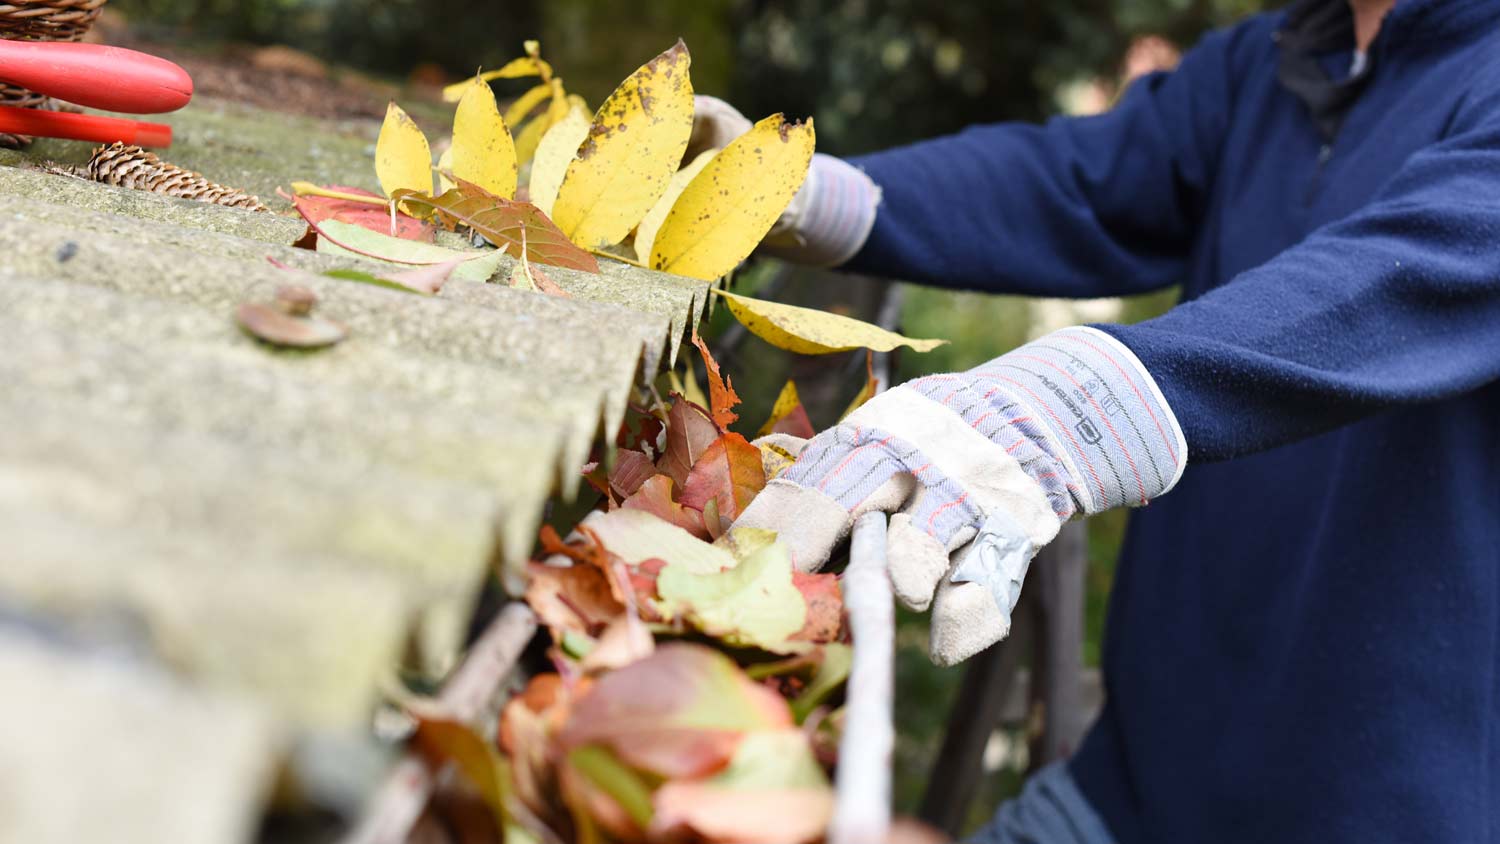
281, 526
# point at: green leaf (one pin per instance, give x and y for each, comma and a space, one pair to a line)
338, 238
636, 536
754, 603
773, 759
832, 672
614, 778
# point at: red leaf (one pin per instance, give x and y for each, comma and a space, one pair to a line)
316, 209
632, 468
729, 473
644, 436
690, 431
643, 584
722, 397
795, 423
503, 221
655, 497
788, 416
825, 607
680, 712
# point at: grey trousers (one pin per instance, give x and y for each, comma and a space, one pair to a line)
1049, 810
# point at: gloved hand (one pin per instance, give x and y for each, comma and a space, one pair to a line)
980, 469
827, 221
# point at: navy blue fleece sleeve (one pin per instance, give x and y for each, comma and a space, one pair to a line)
1078, 207
1397, 304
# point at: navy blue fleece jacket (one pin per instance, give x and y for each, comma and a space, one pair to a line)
1304, 635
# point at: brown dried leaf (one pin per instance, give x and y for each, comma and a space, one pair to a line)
577, 598
690, 431
506, 221
825, 607
632, 468
275, 326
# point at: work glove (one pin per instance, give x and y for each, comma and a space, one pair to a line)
827, 221
979, 470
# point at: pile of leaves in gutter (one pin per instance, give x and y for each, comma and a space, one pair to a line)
697, 678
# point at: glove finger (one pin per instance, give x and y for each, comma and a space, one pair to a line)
916, 562
809, 522
965, 621
715, 124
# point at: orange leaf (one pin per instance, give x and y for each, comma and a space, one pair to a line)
655, 497
722, 397
578, 598
729, 473
505, 221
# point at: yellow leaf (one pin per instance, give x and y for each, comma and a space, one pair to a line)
516, 112
646, 232
514, 69
811, 332
866, 392
531, 134
445, 165
483, 152
723, 215
403, 161
633, 148
530, 64
553, 155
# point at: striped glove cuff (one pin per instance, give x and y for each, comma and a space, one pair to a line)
1078, 400
829, 219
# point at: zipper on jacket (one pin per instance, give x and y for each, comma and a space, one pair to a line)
1325, 152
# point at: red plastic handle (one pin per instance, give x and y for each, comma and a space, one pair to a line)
93, 75
83, 127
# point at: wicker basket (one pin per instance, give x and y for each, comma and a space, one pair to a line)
41, 20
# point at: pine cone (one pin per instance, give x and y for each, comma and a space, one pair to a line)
133, 167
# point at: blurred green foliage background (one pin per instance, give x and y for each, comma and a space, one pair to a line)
873, 73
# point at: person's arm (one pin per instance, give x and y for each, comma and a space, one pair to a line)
1397, 304
1077, 207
